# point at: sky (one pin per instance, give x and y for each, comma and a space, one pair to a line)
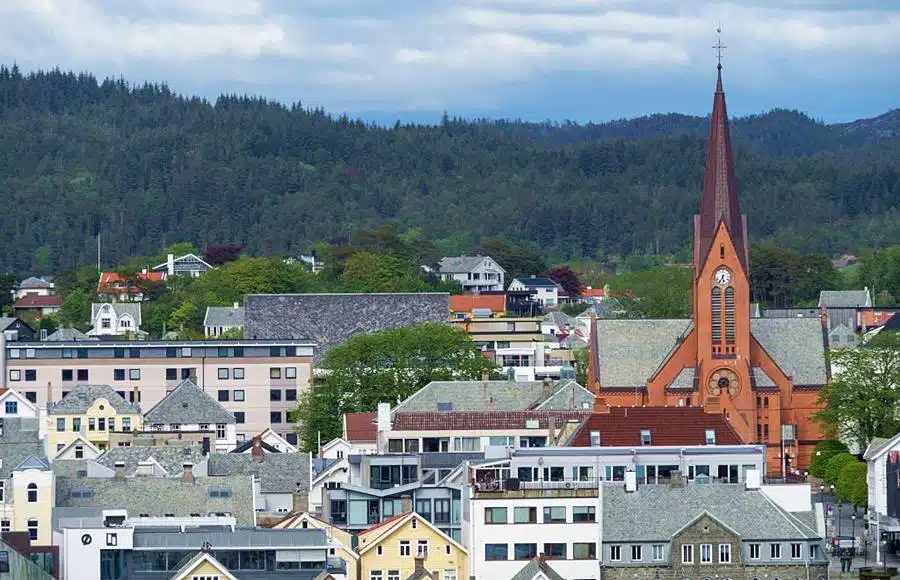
413, 60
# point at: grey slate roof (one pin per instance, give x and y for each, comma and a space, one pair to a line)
559, 318
636, 516
278, 473
331, 319
224, 316
158, 496
19, 442
171, 457
68, 335
875, 445
533, 568
6, 321
844, 299
82, 397
188, 404
34, 282
119, 308
684, 380
760, 378
630, 351
456, 264
496, 396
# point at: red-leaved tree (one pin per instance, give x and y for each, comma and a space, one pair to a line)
218, 254
567, 278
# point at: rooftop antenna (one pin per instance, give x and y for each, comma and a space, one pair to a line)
720, 48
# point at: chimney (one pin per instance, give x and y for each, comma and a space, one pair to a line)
540, 353
676, 480
120, 470
187, 475
547, 387
236, 305
420, 566
630, 482
170, 264
256, 451
405, 504
383, 417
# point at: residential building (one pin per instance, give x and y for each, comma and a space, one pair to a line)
841, 337
91, 411
15, 565
78, 450
189, 409
479, 305
116, 319
16, 404
258, 381
545, 290
360, 437
16, 329
537, 569
26, 481
515, 344
327, 474
340, 542
721, 358
220, 319
117, 288
328, 320
727, 531
474, 273
121, 545
187, 265
34, 307
594, 295
522, 304
271, 439
409, 546
557, 323
872, 318
883, 514
34, 286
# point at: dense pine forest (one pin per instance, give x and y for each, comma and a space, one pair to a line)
149, 168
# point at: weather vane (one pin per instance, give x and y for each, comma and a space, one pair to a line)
719, 46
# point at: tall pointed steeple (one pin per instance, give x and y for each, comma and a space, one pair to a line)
720, 199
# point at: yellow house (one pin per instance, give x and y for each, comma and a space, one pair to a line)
92, 411
340, 541
409, 546
27, 483
203, 567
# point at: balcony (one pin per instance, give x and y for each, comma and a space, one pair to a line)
515, 488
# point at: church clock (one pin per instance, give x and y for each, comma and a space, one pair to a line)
724, 380
722, 276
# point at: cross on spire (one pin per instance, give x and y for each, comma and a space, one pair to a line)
720, 48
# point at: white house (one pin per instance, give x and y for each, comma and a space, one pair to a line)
331, 474
186, 265
474, 273
883, 479
34, 286
219, 319
546, 291
188, 408
15, 404
115, 319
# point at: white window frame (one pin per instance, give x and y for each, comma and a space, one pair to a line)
450, 574
420, 544
755, 548
405, 546
724, 553
637, 552
687, 553
393, 575
775, 551
798, 548
706, 554
290, 372
657, 553
376, 575
615, 553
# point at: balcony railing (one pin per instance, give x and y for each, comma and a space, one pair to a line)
516, 488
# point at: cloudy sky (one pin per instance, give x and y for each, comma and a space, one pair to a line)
534, 59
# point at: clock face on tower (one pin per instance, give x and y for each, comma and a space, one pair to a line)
724, 380
723, 276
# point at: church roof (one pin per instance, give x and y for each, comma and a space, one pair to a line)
630, 351
720, 189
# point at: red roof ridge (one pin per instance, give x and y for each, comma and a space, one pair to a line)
385, 522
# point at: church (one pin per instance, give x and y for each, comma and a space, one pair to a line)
763, 374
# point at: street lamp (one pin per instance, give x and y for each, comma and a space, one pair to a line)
853, 518
884, 545
822, 492
840, 506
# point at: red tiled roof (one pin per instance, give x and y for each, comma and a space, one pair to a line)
593, 292
622, 426
467, 420
390, 520
31, 301
469, 302
361, 427
110, 278
873, 318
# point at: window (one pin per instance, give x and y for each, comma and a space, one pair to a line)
223, 352
555, 551
112, 423
171, 374
656, 552
494, 552
584, 551
796, 551
274, 351
188, 373
238, 352
218, 491
378, 550
637, 553
112, 539
290, 372
275, 417
238, 395
175, 426
687, 554
223, 374
710, 436
237, 373
274, 373
450, 574
813, 552
92, 424
290, 351
82, 374
725, 553
706, 554
274, 394
555, 515
422, 548
775, 551
754, 551
186, 352
134, 374
375, 575
393, 575
171, 352
31, 375
15, 375
595, 438
290, 394
2, 491
61, 424
12, 407
220, 427
79, 452
76, 423
615, 553
126, 423
645, 437
223, 395
467, 443
101, 424
584, 514
4, 525
33, 529
525, 515
495, 515
524, 551
69, 375
404, 548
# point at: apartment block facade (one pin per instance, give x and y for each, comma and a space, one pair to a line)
259, 381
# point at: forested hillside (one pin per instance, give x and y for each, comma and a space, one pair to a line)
151, 168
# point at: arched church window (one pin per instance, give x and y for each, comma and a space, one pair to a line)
716, 312
729, 315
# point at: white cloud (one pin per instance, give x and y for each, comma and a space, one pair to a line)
358, 54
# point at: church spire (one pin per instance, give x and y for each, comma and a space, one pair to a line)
720, 200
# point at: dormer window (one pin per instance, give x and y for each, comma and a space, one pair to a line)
710, 436
595, 438
645, 437
105, 323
